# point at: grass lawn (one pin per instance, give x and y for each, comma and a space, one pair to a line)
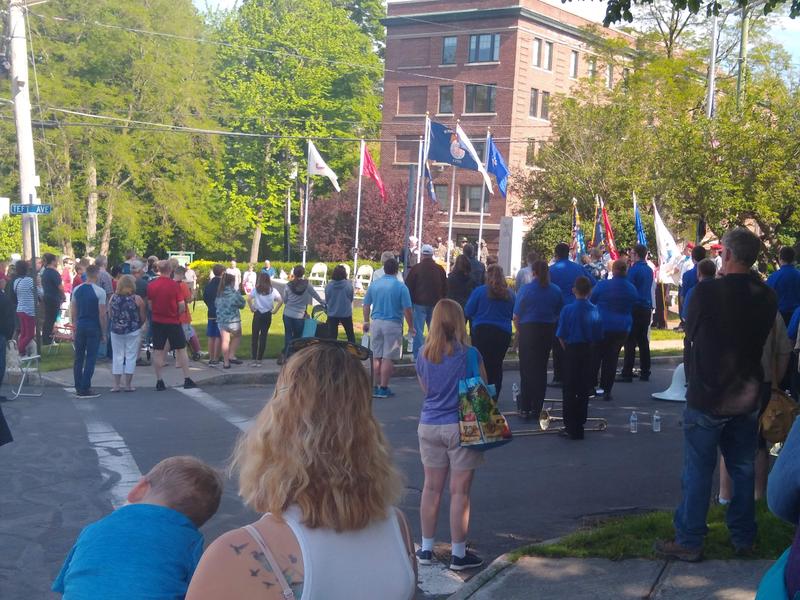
63, 359
665, 334
633, 537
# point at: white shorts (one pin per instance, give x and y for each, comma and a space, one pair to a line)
386, 339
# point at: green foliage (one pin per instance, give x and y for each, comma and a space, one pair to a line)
619, 10
10, 236
650, 136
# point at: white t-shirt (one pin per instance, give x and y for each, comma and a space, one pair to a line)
237, 275
264, 303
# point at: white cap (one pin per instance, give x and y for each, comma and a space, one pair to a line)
427, 249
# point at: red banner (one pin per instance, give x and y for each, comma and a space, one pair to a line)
371, 171
610, 245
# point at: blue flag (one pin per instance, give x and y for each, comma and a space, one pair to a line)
429, 183
445, 147
497, 167
641, 237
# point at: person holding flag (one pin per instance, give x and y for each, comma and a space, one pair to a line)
641, 276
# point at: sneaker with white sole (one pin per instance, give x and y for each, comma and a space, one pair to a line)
468, 561
424, 557
379, 392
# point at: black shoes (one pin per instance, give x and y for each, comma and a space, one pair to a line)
468, 561
424, 557
160, 387
188, 384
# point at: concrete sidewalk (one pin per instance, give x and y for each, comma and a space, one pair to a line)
602, 579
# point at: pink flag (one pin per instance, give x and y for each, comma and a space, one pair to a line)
610, 246
371, 171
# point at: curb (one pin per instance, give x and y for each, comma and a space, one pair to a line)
266, 377
497, 566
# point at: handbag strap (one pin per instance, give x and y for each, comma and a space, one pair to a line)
276, 570
473, 367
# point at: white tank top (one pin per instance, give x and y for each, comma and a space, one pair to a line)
352, 565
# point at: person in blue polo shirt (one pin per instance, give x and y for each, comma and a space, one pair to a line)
564, 272
641, 276
536, 313
615, 299
579, 330
786, 283
689, 278
387, 301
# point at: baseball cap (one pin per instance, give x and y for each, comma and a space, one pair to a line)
716, 246
427, 249
690, 245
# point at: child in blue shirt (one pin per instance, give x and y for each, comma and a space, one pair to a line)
150, 547
579, 329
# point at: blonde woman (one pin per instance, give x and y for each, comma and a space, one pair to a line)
127, 316
317, 464
441, 363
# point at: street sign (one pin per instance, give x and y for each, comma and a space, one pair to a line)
36, 209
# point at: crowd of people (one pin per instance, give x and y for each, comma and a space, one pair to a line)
319, 468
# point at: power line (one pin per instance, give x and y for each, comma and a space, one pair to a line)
296, 54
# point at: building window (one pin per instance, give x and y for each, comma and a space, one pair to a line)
442, 191
445, 99
573, 64
547, 60
534, 108
449, 45
484, 47
544, 113
406, 150
480, 98
592, 67
537, 52
480, 148
530, 153
609, 76
412, 100
469, 200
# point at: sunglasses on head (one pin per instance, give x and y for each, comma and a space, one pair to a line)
354, 350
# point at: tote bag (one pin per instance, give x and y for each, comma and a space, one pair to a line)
482, 426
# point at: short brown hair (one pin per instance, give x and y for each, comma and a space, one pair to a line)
188, 485
583, 287
707, 268
619, 268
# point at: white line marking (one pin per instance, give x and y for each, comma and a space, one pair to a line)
218, 407
116, 461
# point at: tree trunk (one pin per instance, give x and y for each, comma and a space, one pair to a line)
105, 242
66, 219
91, 207
256, 241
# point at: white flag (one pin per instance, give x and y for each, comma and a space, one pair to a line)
464, 140
317, 166
668, 252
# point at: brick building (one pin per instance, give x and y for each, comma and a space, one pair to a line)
489, 63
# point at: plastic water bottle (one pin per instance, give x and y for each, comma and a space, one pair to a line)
515, 396
656, 422
410, 343
634, 422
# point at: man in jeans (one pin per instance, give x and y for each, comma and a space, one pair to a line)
641, 276
387, 301
88, 314
727, 322
427, 283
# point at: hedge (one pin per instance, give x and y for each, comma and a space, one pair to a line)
203, 267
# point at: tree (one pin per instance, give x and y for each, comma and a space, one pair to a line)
115, 184
332, 223
619, 10
289, 77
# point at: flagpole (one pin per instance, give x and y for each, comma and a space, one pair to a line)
417, 194
483, 190
358, 206
450, 243
420, 175
307, 203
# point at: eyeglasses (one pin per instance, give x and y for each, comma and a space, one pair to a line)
354, 350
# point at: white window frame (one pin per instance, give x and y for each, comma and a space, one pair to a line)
574, 59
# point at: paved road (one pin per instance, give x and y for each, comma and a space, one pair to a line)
74, 460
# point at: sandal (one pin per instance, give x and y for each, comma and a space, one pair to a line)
115, 390
226, 366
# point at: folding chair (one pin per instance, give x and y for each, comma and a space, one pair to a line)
319, 275
24, 369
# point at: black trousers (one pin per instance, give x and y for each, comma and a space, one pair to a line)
638, 337
492, 342
51, 308
606, 358
577, 384
535, 342
261, 323
558, 358
347, 323
660, 314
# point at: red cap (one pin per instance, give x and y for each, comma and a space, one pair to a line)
716, 246
690, 245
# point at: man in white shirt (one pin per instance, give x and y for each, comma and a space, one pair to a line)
237, 275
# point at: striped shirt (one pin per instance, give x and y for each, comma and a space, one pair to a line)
23, 288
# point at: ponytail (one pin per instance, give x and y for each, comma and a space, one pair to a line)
542, 273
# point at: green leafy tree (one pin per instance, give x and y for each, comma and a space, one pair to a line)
292, 69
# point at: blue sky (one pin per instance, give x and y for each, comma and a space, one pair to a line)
787, 32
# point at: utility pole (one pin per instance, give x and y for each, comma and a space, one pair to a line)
712, 68
20, 93
742, 70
